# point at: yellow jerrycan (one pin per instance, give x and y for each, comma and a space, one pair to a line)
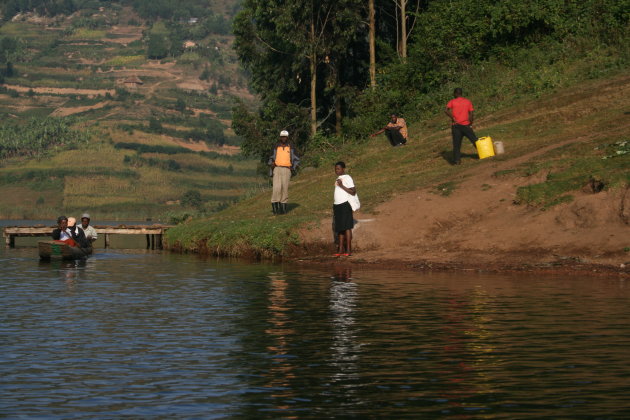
484, 147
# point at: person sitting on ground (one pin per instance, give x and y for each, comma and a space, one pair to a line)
62, 232
90, 232
395, 130
77, 233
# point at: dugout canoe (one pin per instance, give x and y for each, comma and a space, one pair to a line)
61, 250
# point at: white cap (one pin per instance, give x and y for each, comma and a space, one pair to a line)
284, 133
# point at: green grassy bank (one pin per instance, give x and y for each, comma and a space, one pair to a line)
587, 121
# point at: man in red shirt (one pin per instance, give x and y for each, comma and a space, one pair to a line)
461, 112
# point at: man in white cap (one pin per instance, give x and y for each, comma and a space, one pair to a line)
90, 232
283, 161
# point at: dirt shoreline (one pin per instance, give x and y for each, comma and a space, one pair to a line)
565, 266
480, 224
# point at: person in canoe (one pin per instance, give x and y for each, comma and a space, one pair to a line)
90, 232
62, 232
68, 232
78, 234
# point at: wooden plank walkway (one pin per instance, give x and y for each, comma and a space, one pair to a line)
154, 233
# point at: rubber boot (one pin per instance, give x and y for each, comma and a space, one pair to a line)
275, 208
283, 208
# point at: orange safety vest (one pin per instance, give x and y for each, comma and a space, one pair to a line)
283, 156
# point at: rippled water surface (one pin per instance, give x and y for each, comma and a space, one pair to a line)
150, 335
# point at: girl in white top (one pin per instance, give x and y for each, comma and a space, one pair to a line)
342, 211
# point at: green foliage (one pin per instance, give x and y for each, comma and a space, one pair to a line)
451, 42
213, 131
89, 22
39, 136
205, 75
41, 7
274, 44
11, 49
617, 149
155, 126
568, 174
157, 47
138, 161
205, 129
256, 238
180, 105
48, 175
192, 198
151, 148
172, 165
261, 129
167, 9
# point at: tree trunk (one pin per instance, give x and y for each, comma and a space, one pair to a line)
403, 29
338, 114
313, 63
372, 44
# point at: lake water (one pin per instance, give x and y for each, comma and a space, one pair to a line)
141, 334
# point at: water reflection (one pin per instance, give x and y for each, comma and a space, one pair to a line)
456, 367
345, 346
342, 272
481, 347
280, 333
69, 271
149, 335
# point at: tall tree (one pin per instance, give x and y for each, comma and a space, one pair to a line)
295, 49
372, 42
404, 30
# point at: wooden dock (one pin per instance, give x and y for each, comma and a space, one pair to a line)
154, 233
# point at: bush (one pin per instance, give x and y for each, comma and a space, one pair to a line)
155, 126
191, 198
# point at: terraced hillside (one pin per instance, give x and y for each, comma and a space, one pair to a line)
158, 138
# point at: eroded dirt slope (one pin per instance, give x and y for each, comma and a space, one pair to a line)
479, 226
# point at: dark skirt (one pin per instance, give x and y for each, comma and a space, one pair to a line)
342, 217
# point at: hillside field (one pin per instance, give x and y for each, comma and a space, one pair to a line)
161, 146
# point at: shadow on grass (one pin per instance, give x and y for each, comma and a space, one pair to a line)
292, 206
447, 155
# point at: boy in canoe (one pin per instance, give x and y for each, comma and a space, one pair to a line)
62, 233
68, 232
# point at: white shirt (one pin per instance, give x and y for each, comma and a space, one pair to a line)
341, 196
64, 234
90, 232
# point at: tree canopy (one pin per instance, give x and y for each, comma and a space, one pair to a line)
309, 60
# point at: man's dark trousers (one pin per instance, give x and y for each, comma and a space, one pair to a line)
459, 131
395, 138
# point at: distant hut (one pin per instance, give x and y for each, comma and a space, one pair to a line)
189, 45
133, 82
